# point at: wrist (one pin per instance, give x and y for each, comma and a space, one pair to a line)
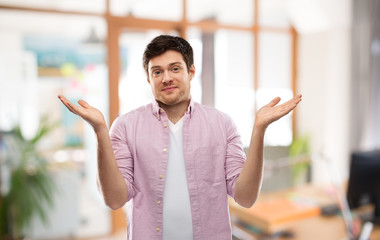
101, 129
259, 127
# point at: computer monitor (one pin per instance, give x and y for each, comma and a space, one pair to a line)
364, 182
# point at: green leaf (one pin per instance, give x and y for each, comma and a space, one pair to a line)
31, 184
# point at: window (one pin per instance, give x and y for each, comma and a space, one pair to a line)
234, 90
243, 57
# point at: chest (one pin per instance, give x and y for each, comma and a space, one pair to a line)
203, 145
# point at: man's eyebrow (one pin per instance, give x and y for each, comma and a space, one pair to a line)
170, 64
154, 67
175, 63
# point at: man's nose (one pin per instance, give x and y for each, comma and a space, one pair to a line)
167, 77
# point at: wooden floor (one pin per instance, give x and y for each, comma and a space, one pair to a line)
118, 236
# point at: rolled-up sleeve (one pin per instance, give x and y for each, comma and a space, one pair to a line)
123, 156
235, 156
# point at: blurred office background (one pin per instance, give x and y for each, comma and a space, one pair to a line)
246, 53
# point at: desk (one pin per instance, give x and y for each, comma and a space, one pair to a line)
315, 227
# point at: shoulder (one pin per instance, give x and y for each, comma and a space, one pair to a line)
208, 110
211, 113
133, 116
215, 121
146, 109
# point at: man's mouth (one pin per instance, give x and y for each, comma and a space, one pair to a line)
168, 89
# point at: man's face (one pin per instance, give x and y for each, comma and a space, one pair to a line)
169, 78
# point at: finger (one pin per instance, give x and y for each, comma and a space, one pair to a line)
84, 103
291, 104
71, 107
274, 102
296, 99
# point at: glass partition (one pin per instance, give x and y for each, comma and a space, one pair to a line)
194, 36
274, 13
43, 55
91, 6
66, 56
275, 62
234, 92
148, 9
222, 11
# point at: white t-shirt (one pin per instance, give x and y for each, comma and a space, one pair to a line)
177, 212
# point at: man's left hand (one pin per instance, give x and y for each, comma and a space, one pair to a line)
272, 112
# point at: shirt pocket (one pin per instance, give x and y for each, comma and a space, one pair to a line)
210, 163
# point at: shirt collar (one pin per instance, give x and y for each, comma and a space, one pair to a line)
157, 110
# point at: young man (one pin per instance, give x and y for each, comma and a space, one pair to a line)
175, 161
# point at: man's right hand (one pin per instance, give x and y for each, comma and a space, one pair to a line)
90, 114
112, 183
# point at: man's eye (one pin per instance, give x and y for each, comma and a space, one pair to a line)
175, 69
156, 73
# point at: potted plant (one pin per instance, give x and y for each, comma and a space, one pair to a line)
299, 150
29, 186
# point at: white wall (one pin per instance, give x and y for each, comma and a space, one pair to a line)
324, 80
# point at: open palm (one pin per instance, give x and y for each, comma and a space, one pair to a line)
272, 112
90, 114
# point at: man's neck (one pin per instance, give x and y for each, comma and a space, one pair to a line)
175, 112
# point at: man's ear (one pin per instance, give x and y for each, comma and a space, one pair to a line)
192, 72
147, 79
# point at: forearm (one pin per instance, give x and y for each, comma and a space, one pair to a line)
111, 181
248, 183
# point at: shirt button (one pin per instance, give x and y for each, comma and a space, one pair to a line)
165, 150
158, 229
159, 202
160, 176
165, 125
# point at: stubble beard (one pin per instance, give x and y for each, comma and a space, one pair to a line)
182, 96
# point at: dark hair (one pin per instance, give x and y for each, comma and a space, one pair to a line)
163, 43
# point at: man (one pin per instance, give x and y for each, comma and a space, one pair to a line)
176, 161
